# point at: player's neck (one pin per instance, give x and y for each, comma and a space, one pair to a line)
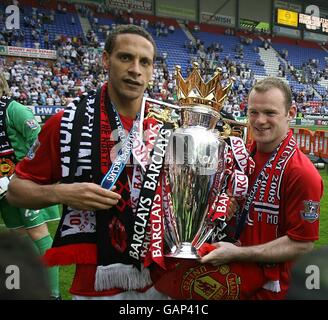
126, 107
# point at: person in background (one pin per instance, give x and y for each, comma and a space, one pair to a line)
18, 132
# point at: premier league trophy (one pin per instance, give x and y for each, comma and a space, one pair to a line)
194, 165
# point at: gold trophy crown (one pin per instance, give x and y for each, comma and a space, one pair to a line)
194, 91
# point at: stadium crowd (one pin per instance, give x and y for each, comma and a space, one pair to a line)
78, 66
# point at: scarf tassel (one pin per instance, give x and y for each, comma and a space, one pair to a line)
71, 254
122, 276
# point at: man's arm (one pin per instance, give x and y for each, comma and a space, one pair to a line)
22, 120
276, 251
25, 193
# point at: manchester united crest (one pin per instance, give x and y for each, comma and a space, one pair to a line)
7, 167
210, 283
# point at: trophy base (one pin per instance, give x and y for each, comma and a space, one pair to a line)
185, 251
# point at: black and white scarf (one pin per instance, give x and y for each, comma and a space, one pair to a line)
7, 153
87, 237
5, 146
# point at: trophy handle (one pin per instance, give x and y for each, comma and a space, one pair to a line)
162, 116
234, 128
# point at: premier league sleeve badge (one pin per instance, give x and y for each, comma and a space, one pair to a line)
311, 210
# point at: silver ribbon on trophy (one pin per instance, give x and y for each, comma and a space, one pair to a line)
194, 170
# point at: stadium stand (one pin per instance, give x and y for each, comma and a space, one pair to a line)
77, 34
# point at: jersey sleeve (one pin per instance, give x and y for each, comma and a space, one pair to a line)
23, 121
42, 163
303, 189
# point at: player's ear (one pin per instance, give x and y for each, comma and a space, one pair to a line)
105, 59
292, 113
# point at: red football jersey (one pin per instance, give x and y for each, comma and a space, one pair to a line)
43, 166
301, 191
